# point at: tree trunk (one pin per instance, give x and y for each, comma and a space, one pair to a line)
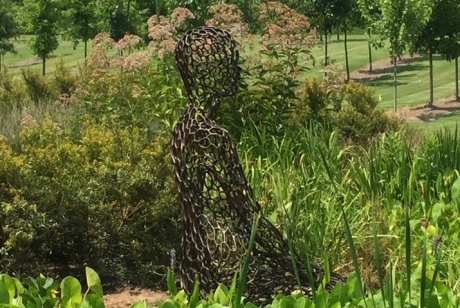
86, 52
320, 36
43, 65
430, 55
395, 84
325, 50
338, 33
127, 22
347, 66
457, 97
370, 50
86, 43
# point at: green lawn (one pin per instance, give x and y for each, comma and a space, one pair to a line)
65, 51
413, 83
358, 55
449, 121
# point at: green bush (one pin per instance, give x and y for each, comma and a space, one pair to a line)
106, 199
351, 109
360, 119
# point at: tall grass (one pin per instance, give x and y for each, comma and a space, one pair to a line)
362, 207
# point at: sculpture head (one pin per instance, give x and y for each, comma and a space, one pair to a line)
207, 59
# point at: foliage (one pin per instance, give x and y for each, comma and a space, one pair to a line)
440, 31
8, 28
120, 22
271, 73
99, 198
81, 21
360, 119
42, 291
439, 36
327, 15
306, 179
91, 183
133, 93
400, 22
349, 108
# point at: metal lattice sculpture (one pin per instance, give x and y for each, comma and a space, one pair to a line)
217, 202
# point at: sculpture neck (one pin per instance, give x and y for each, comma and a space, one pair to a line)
211, 108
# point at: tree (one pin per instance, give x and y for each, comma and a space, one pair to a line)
8, 29
43, 16
326, 15
440, 36
373, 13
400, 23
81, 22
348, 20
121, 20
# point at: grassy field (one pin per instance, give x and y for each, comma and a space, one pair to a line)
450, 121
413, 83
24, 57
413, 79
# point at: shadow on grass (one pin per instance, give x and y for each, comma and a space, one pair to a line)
388, 81
452, 113
335, 41
386, 73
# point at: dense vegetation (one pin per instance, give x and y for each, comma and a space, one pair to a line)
85, 174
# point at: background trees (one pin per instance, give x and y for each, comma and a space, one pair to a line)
81, 21
43, 17
327, 15
405, 26
8, 28
440, 36
400, 22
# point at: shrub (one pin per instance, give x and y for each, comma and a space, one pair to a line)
12, 91
349, 108
39, 87
106, 199
360, 119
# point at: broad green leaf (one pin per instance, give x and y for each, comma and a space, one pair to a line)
181, 297
70, 291
49, 303
9, 283
93, 301
48, 283
142, 304
288, 302
456, 190
195, 294
172, 288
220, 296
94, 282
169, 303
202, 304
4, 294
436, 211
18, 285
301, 302
250, 305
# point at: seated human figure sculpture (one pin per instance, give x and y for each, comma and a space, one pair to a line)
218, 204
